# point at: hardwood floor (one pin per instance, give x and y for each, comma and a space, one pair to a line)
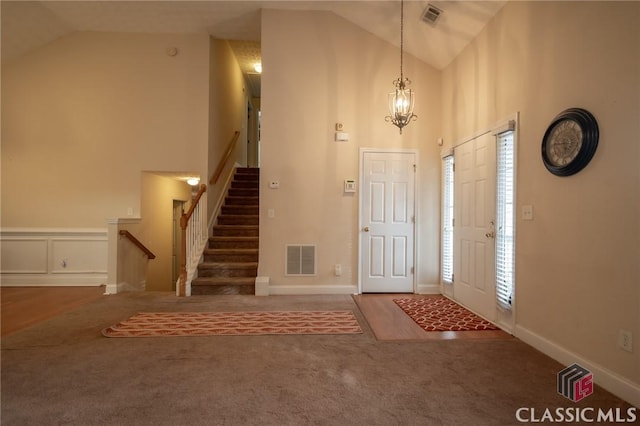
24, 306
389, 322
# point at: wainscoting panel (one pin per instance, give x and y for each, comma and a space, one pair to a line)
24, 256
53, 257
79, 256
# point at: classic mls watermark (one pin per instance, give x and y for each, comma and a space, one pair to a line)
576, 383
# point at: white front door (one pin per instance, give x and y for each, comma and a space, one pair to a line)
474, 225
387, 222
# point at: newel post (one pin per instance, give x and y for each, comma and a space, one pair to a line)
182, 288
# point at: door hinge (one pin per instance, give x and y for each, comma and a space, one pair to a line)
414, 168
413, 219
453, 222
412, 269
453, 277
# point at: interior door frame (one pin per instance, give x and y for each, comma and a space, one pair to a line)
416, 208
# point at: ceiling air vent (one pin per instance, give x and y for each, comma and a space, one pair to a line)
431, 14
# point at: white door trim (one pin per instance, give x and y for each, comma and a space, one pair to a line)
416, 224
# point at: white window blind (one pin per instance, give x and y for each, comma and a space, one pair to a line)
447, 220
505, 260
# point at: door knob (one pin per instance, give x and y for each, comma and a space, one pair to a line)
365, 229
490, 235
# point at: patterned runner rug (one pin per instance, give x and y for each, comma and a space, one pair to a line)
442, 314
235, 323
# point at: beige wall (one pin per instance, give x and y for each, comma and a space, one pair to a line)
83, 115
577, 262
227, 113
319, 69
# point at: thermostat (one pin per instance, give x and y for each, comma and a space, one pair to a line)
342, 136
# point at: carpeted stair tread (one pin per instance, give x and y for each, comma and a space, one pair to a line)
244, 192
242, 201
247, 176
226, 242
228, 269
248, 184
247, 219
223, 285
231, 255
241, 210
248, 170
238, 238
231, 251
223, 281
236, 230
228, 265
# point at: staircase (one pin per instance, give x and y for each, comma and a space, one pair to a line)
230, 263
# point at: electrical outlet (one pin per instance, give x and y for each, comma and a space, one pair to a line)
625, 340
338, 269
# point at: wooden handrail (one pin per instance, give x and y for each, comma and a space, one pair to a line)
184, 222
224, 159
137, 242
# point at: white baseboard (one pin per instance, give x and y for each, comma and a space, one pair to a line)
617, 385
262, 286
51, 280
307, 290
428, 289
111, 289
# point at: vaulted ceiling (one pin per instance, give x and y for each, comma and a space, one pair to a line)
27, 25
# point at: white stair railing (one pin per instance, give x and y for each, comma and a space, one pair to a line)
194, 238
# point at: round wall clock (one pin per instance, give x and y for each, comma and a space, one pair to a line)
570, 142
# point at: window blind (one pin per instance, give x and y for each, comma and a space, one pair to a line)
447, 220
505, 259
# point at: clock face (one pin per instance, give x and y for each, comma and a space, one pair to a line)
565, 141
570, 142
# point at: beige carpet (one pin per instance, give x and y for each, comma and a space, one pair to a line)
64, 372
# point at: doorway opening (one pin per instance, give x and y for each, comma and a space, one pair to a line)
478, 224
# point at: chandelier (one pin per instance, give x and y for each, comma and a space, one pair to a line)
402, 99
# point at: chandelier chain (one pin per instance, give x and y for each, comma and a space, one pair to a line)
401, 38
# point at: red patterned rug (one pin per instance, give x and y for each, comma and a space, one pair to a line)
442, 314
235, 323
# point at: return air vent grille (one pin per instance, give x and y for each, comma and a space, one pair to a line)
431, 14
301, 260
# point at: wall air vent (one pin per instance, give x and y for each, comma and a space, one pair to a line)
301, 260
431, 14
